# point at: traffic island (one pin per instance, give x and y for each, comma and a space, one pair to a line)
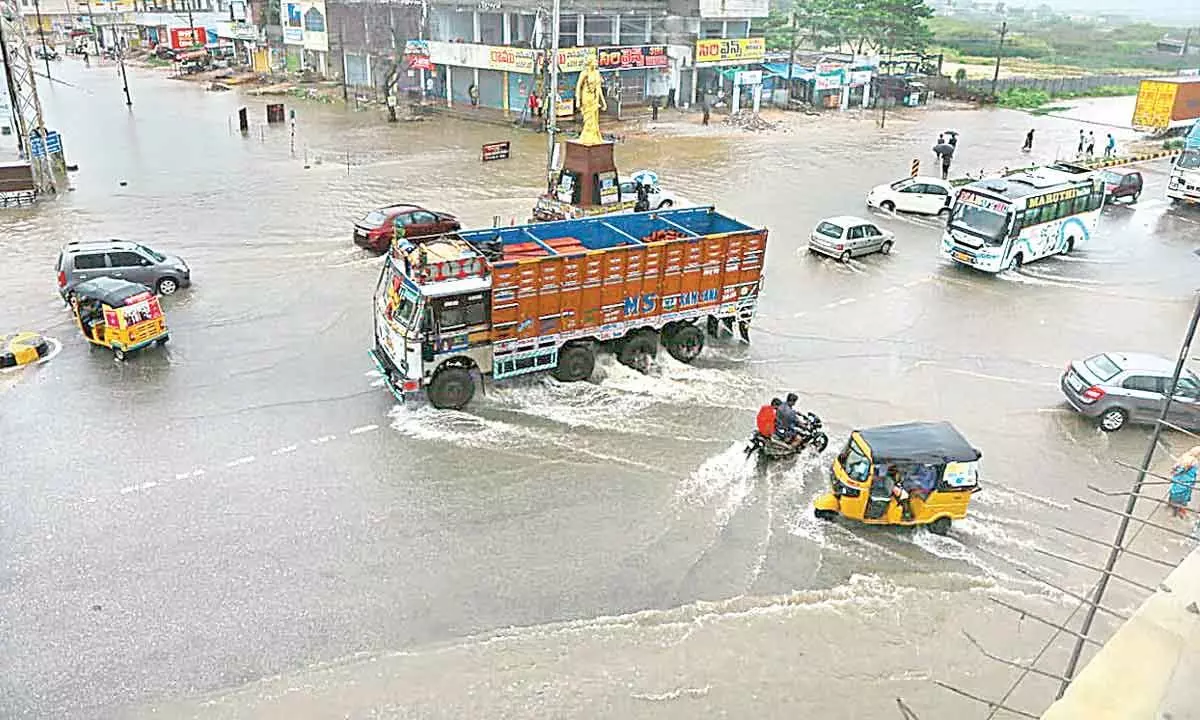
22, 348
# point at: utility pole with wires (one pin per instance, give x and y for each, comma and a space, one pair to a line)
792, 52
552, 93
124, 77
22, 88
37, 8
191, 23
1187, 40
999, 53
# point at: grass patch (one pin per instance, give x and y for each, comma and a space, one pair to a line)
1038, 101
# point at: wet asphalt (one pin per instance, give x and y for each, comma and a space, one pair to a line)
250, 502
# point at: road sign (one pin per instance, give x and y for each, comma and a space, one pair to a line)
38, 149
497, 151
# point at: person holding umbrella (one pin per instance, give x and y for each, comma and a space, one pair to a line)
945, 152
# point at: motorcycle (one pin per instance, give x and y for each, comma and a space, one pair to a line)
808, 434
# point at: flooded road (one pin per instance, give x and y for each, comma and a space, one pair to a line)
247, 518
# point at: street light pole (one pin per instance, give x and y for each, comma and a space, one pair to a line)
124, 79
191, 23
999, 52
792, 53
552, 93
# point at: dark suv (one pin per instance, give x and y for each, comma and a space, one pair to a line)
80, 261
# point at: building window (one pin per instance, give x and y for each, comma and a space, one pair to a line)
491, 28
634, 29
737, 28
597, 30
711, 29
568, 31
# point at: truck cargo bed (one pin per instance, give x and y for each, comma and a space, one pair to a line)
601, 277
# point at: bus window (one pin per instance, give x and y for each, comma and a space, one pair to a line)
1096, 199
1081, 203
1062, 209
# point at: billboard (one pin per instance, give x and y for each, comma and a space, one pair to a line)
304, 24
739, 50
636, 56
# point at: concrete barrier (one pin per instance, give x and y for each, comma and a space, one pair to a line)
1149, 668
22, 348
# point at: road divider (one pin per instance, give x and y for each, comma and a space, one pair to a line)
23, 348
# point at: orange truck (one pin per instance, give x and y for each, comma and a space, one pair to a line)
1168, 103
548, 296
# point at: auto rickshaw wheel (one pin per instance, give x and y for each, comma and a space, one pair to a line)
827, 515
941, 526
119, 353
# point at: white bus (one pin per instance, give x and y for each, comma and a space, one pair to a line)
1001, 223
1184, 184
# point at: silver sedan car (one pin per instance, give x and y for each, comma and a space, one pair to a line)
844, 237
1120, 387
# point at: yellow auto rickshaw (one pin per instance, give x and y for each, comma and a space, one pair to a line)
912, 474
118, 314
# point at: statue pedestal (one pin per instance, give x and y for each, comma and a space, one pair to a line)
592, 166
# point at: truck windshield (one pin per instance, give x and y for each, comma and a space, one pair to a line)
988, 224
1189, 159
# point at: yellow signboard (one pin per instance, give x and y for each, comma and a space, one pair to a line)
1154, 102
746, 50
512, 59
1051, 198
574, 59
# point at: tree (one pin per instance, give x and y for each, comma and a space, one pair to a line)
899, 25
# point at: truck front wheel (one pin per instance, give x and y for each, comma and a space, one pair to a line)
451, 388
575, 364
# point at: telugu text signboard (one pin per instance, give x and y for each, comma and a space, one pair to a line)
574, 59
497, 151
631, 57
511, 59
736, 50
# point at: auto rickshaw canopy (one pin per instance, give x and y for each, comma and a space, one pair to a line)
932, 443
113, 292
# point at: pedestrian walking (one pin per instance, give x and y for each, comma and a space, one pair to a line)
953, 141
1028, 146
946, 166
1110, 147
945, 153
1183, 481
473, 93
1082, 143
86, 62
1090, 152
704, 107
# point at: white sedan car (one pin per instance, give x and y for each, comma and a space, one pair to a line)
926, 195
844, 237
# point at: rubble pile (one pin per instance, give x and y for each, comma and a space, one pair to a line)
751, 121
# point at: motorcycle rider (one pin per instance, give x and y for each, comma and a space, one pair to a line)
765, 422
787, 422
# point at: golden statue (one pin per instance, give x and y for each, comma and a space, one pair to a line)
589, 98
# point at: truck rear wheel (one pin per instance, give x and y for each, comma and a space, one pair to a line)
451, 388
575, 364
685, 343
639, 350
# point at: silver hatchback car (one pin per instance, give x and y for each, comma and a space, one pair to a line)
81, 261
1117, 387
844, 237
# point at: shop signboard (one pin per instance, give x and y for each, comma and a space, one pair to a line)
828, 81
511, 59
737, 50
631, 57
416, 52
572, 60
304, 24
187, 37
748, 77
859, 77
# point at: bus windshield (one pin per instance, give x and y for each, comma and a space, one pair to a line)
989, 224
1189, 159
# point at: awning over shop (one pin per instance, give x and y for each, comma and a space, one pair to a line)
780, 70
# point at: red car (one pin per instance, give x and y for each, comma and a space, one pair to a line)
375, 231
1121, 184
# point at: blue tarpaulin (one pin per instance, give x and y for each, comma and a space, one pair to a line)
780, 70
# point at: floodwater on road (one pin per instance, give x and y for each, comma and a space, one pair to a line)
245, 524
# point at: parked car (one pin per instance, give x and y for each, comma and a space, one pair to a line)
45, 52
81, 261
1117, 387
1120, 184
844, 237
375, 230
926, 195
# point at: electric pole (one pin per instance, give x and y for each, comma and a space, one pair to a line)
552, 93
37, 7
95, 32
1187, 39
792, 54
22, 88
999, 52
191, 24
124, 79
